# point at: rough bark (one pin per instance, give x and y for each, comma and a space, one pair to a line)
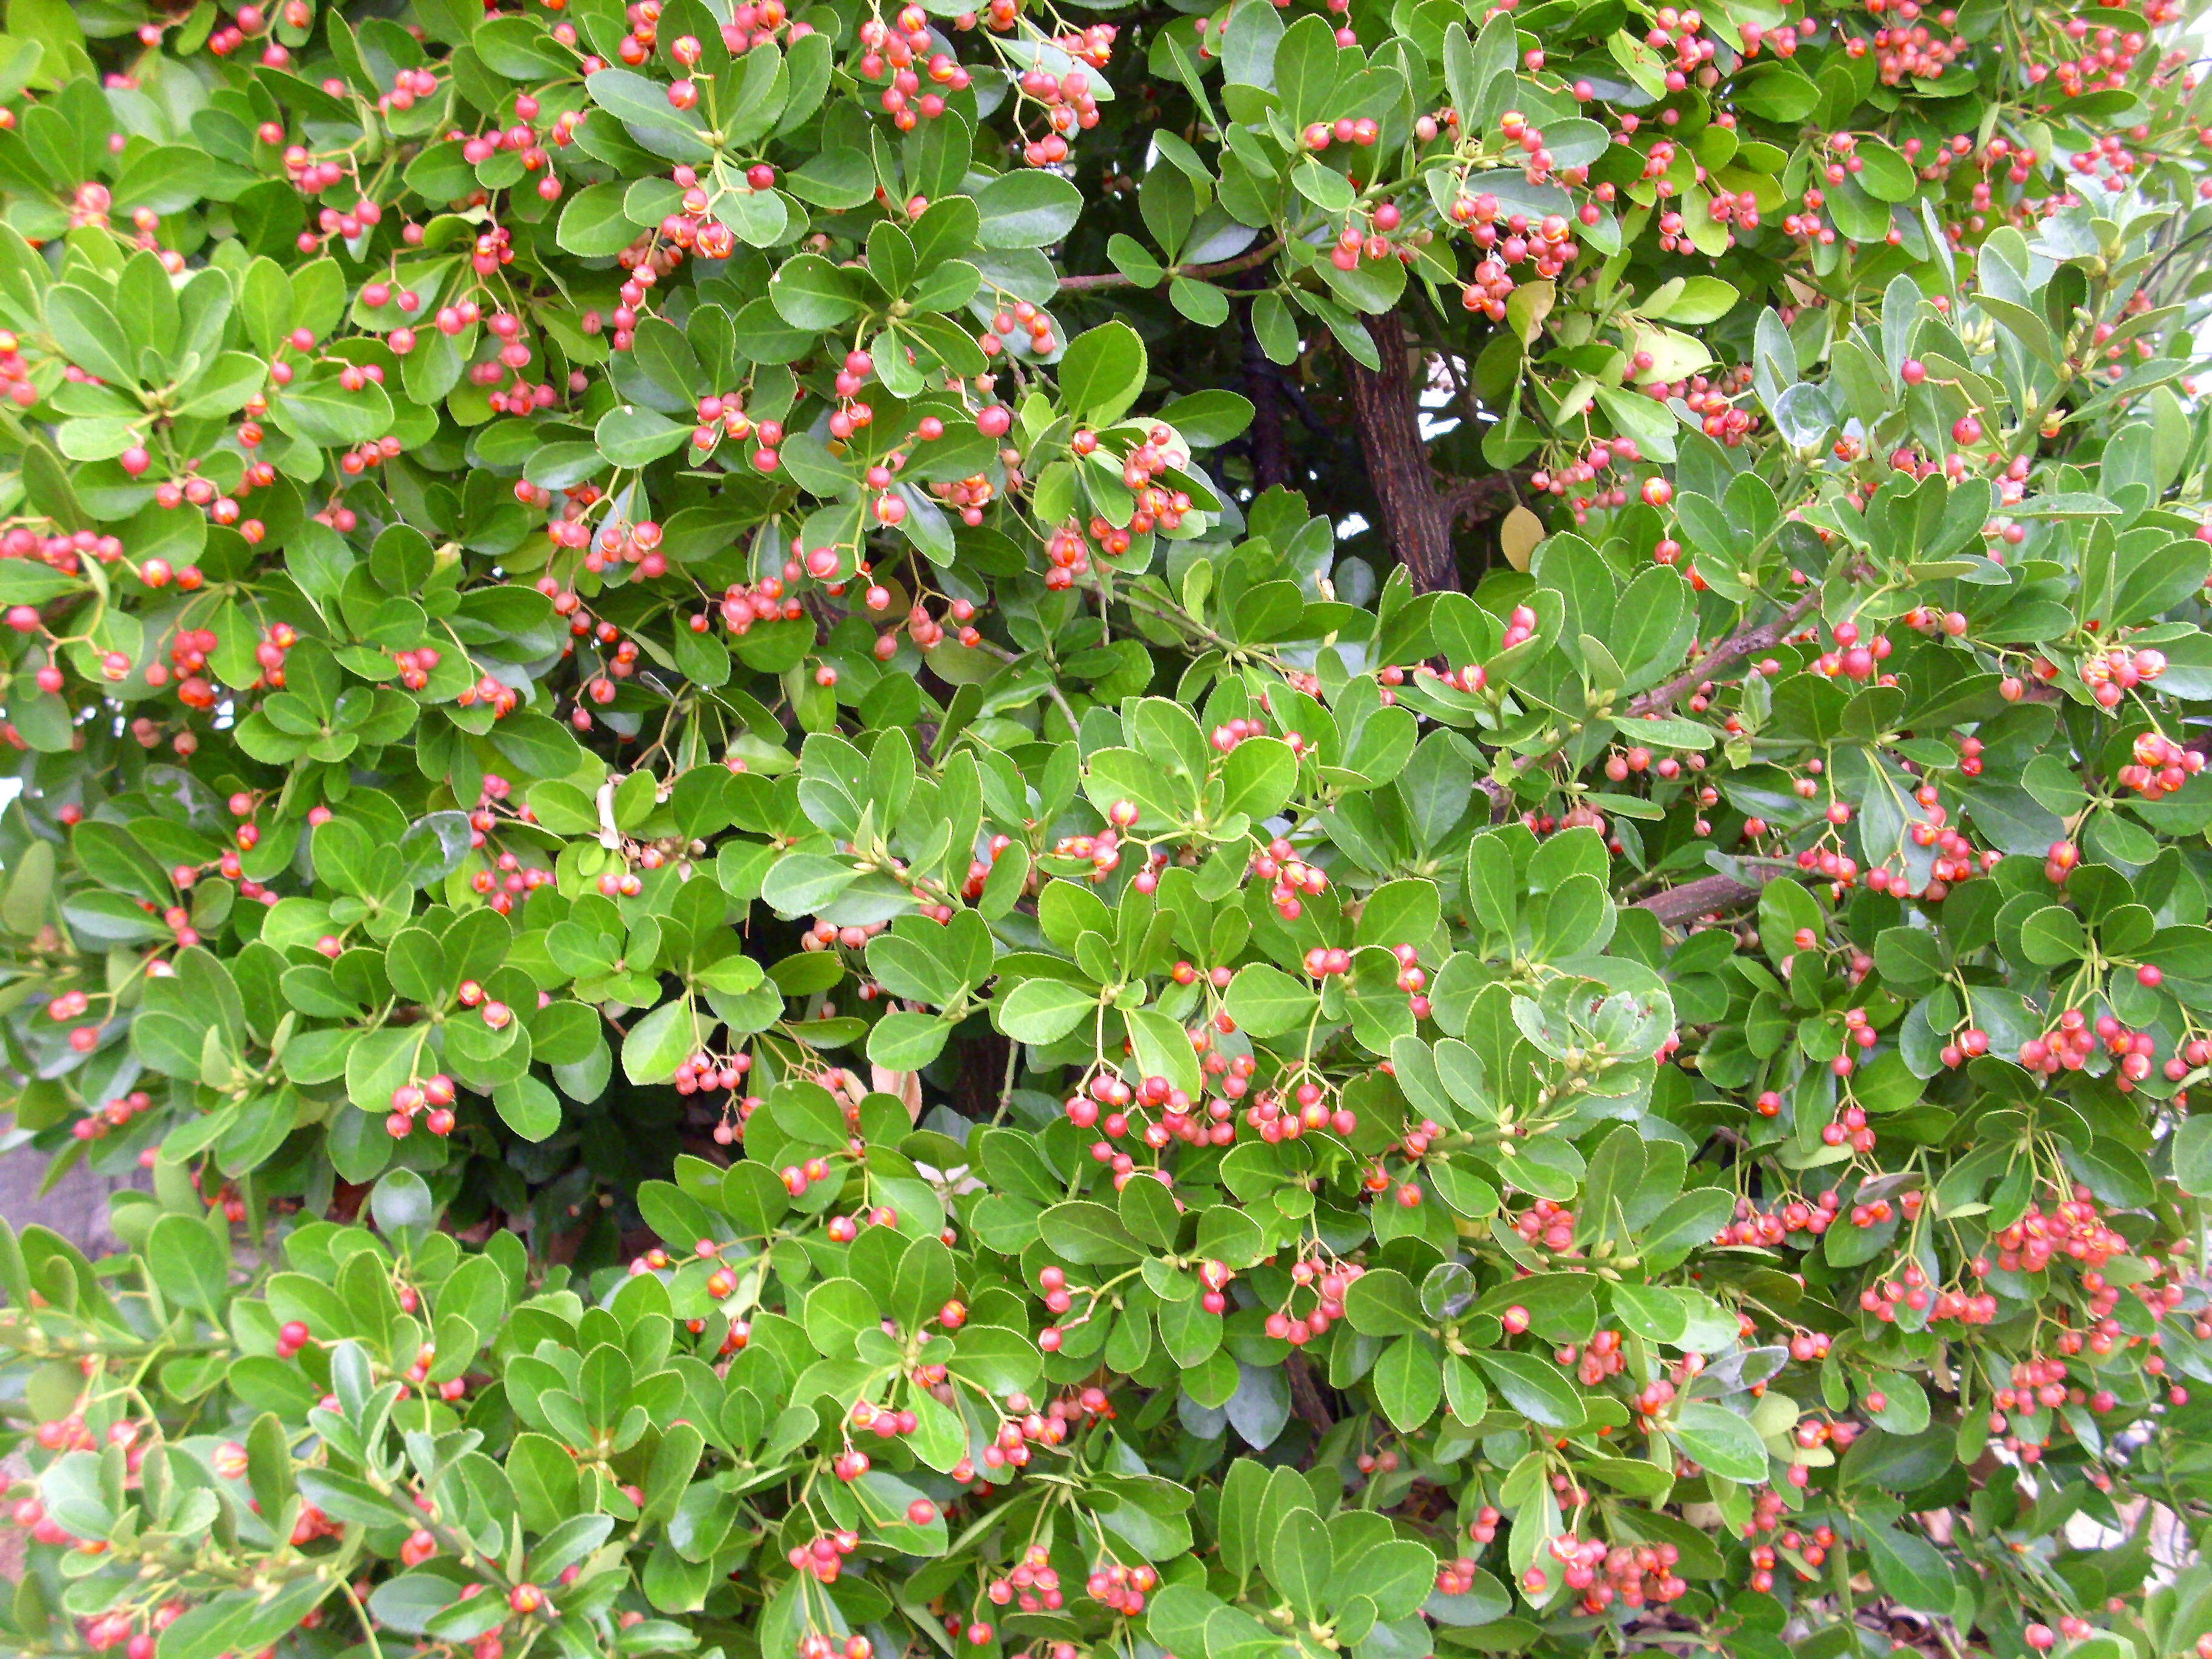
1270, 458
1306, 1397
982, 1077
1723, 656
1695, 898
1485, 497
1417, 515
1712, 894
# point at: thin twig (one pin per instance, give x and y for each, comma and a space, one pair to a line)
1184, 619
1051, 686
360, 1612
1258, 256
1006, 1089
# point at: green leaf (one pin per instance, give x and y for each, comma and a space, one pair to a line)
642, 106
1382, 1301
1258, 778
1909, 1568
1103, 373
1201, 302
1493, 886
88, 332
316, 409
906, 967
1782, 95
30, 885
906, 1041
1326, 188
1163, 1049
837, 1310
1001, 1359
800, 882
1692, 300
886, 1504
834, 179
528, 1106
170, 177
657, 1044
1398, 913
2192, 1156
1409, 1382
1081, 1230
1266, 1002
2052, 935
1885, 175
1539, 1390
1300, 1560
189, 1263
113, 856
1722, 1441
808, 292
401, 1200
1043, 1010
544, 1480
593, 224
1688, 1222
380, 1062
406, 1603
1209, 418
1028, 209
630, 436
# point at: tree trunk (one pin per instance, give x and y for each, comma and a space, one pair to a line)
1306, 1397
979, 1087
1270, 460
1417, 521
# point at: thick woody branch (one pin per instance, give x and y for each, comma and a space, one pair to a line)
1306, 1395
1693, 899
1729, 652
1713, 894
1717, 894
1482, 498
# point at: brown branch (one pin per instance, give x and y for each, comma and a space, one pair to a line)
1695, 898
1258, 256
1386, 418
1270, 456
977, 1085
1733, 649
1306, 1397
1482, 498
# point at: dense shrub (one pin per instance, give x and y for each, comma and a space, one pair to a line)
1162, 832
